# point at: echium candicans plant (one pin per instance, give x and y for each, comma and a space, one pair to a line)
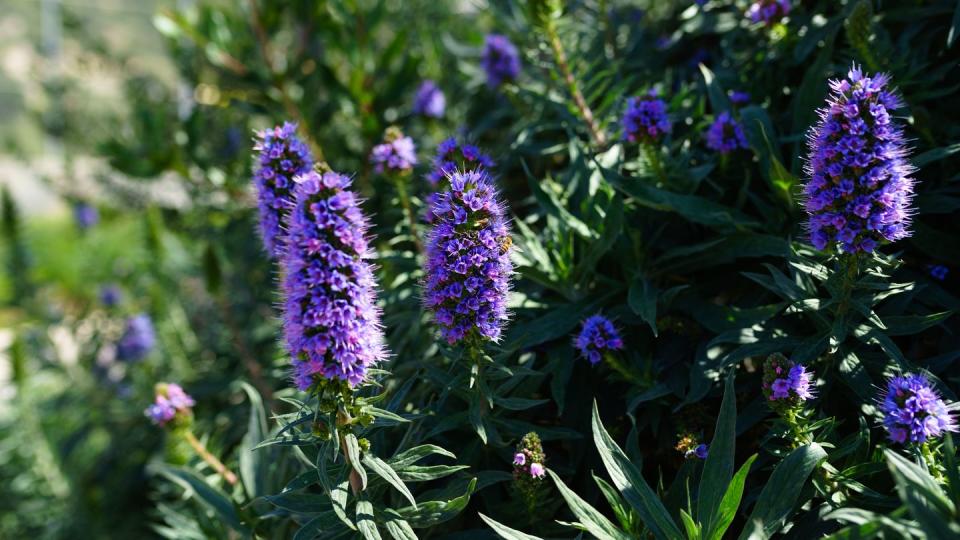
333, 332
172, 409
395, 158
859, 192
467, 279
787, 386
280, 156
914, 414
646, 122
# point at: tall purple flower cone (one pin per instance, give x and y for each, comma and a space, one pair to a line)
860, 188
331, 320
281, 156
468, 264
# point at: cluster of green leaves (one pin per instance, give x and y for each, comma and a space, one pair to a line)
699, 258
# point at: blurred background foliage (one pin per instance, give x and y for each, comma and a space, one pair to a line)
146, 110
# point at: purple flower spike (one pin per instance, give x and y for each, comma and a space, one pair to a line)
786, 384
281, 157
860, 188
468, 264
138, 339
451, 157
169, 402
500, 60
913, 410
597, 336
645, 119
397, 154
86, 215
768, 11
429, 100
331, 320
726, 135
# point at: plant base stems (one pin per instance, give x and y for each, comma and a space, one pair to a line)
408, 211
211, 460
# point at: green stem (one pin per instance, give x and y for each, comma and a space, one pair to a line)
931, 462
617, 364
652, 154
408, 211
211, 459
599, 139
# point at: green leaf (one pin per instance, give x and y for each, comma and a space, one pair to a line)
415, 454
591, 518
690, 526
937, 154
352, 447
253, 470
399, 529
211, 497
905, 325
383, 470
300, 502
954, 27
631, 484
643, 301
338, 499
730, 502
415, 473
506, 532
715, 93
718, 468
911, 478
365, 522
519, 404
430, 513
779, 495
312, 529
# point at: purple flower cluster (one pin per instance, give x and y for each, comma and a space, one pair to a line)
645, 119
529, 458
429, 100
738, 97
860, 187
468, 264
281, 156
786, 383
725, 134
110, 295
768, 11
397, 154
86, 215
500, 60
700, 452
913, 410
597, 336
331, 320
138, 339
938, 272
169, 401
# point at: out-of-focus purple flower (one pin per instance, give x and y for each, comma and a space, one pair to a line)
645, 119
913, 410
169, 401
519, 459
86, 215
786, 383
468, 264
738, 97
500, 60
138, 339
397, 154
768, 11
597, 336
701, 451
938, 271
860, 188
662, 42
429, 100
331, 320
110, 295
725, 134
701, 2
280, 157
537, 470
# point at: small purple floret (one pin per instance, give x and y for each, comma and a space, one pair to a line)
597, 336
